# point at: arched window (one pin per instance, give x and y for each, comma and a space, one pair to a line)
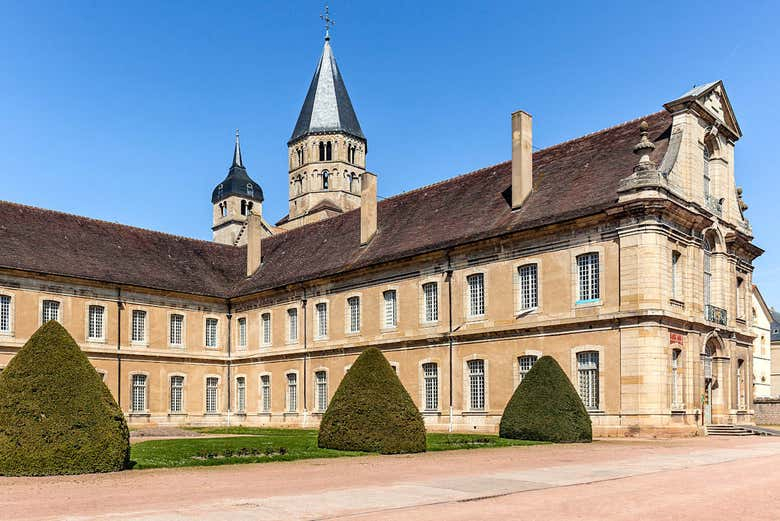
243, 207
322, 151
249, 206
706, 171
328, 151
325, 179
741, 394
707, 245
223, 209
677, 390
250, 189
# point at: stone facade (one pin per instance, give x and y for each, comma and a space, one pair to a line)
762, 361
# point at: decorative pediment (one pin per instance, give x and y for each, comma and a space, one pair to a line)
711, 102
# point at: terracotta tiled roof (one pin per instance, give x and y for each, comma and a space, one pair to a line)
572, 179
55, 243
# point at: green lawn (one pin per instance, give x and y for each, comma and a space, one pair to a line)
256, 445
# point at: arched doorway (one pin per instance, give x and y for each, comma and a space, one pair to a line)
711, 361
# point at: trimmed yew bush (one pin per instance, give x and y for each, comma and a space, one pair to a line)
546, 407
372, 412
56, 414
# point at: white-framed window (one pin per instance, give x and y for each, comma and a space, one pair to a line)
177, 393
390, 298
528, 282
265, 320
138, 326
242, 333
430, 302
353, 314
675, 275
524, 364
677, 391
588, 378
241, 394
588, 277
740, 297
475, 284
322, 319
321, 388
5, 314
138, 393
476, 384
292, 392
431, 385
211, 332
212, 394
95, 326
265, 392
707, 271
292, 325
176, 330
741, 394
50, 310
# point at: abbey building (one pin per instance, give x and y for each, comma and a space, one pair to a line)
625, 254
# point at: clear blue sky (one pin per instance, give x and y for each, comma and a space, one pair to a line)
125, 111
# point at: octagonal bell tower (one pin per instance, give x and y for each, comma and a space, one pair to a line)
327, 150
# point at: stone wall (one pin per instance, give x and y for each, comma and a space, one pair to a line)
767, 411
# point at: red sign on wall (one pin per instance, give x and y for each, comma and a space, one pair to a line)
676, 338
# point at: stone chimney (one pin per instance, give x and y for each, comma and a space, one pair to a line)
254, 233
522, 158
367, 208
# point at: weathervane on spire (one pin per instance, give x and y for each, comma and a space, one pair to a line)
329, 22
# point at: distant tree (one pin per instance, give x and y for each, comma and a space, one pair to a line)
546, 407
56, 414
372, 412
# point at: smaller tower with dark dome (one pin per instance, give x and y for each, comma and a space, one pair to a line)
234, 199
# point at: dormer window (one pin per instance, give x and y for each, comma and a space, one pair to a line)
219, 191
250, 190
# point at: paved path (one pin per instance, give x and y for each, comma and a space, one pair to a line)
727, 478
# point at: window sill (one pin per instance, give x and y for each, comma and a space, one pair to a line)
525, 312
678, 410
430, 413
212, 414
139, 344
677, 303
177, 414
587, 303
96, 340
474, 413
596, 412
290, 414
135, 414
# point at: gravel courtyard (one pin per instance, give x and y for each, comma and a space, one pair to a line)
691, 479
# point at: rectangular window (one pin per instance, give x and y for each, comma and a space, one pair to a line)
212, 387
265, 392
676, 290
176, 329
241, 394
353, 312
322, 320
177, 393
430, 302
476, 384
588, 378
265, 318
524, 364
588, 277
292, 323
321, 379
211, 332
138, 329
677, 400
431, 383
740, 297
138, 398
5, 313
391, 308
95, 329
529, 284
476, 289
292, 392
50, 311
242, 333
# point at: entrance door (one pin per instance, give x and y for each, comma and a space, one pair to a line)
707, 402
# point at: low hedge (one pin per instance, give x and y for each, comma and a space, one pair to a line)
372, 412
56, 414
546, 407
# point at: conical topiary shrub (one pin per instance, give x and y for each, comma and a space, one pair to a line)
546, 407
372, 412
56, 415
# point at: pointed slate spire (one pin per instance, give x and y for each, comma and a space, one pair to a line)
327, 107
237, 181
237, 153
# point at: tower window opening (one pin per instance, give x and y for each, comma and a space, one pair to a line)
243, 207
249, 206
328, 151
223, 209
250, 189
325, 180
322, 151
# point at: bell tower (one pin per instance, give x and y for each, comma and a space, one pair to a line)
327, 149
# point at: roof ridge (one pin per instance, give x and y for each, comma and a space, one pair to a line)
103, 221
